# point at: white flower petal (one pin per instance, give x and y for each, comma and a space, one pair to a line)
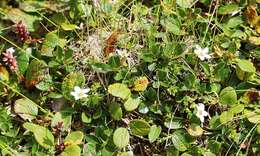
86, 90
77, 89
201, 106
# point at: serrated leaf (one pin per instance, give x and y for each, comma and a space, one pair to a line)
72, 150
228, 96
26, 109
74, 138
154, 133
119, 90
121, 137
42, 135
139, 127
131, 104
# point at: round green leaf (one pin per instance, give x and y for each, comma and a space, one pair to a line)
228, 9
26, 109
42, 135
71, 150
154, 133
236, 109
131, 104
74, 138
119, 90
225, 117
184, 3
252, 117
121, 137
115, 111
246, 66
129, 153
228, 96
195, 130
139, 127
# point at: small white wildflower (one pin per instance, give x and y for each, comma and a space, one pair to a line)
144, 110
10, 50
201, 113
79, 93
202, 53
122, 53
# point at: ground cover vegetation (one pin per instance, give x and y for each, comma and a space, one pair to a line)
129, 77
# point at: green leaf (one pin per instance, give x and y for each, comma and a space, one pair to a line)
236, 109
34, 6
115, 111
71, 150
195, 130
246, 66
119, 90
68, 27
85, 118
35, 73
180, 140
121, 137
258, 129
235, 21
4, 74
131, 104
26, 109
50, 42
228, 96
225, 117
252, 117
16, 15
154, 133
70, 81
42, 135
74, 138
23, 61
185, 3
129, 153
139, 127
228, 9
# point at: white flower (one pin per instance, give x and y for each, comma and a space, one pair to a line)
201, 113
202, 53
79, 93
122, 53
10, 50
